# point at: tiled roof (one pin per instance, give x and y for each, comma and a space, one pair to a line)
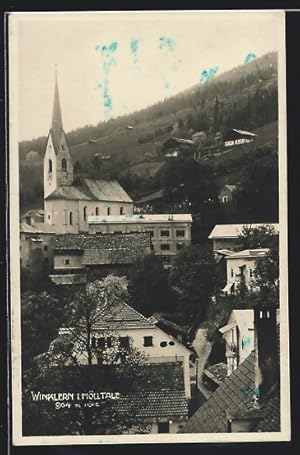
160, 403
69, 192
92, 190
234, 230
217, 372
38, 228
100, 249
142, 218
234, 393
121, 316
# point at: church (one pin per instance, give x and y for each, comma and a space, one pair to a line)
67, 202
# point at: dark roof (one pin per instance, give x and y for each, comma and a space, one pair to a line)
176, 140
217, 372
121, 316
235, 393
91, 190
160, 403
97, 249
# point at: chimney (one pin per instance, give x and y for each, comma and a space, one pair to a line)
266, 350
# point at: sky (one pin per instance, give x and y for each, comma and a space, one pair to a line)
109, 64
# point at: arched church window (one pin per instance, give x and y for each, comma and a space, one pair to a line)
64, 164
97, 211
50, 166
85, 213
71, 218
121, 210
108, 211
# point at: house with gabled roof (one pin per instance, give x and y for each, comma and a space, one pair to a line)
119, 326
248, 400
95, 256
69, 202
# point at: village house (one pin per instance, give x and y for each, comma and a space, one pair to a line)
226, 236
67, 202
241, 269
176, 147
238, 137
238, 334
248, 400
170, 233
162, 401
226, 194
36, 249
95, 256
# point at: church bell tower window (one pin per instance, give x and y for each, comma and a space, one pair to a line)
64, 165
50, 166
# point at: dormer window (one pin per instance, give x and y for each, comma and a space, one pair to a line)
50, 166
64, 165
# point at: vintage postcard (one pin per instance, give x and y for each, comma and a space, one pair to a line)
148, 227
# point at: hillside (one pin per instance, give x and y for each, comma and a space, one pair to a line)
245, 97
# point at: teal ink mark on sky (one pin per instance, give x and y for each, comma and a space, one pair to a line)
134, 47
207, 75
249, 58
167, 85
109, 61
167, 43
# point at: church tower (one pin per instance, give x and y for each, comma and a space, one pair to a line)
58, 164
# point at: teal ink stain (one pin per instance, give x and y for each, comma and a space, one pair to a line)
167, 43
134, 47
249, 58
246, 342
167, 85
207, 75
109, 61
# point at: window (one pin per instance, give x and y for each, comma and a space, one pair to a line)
179, 246
50, 166
164, 247
121, 210
225, 199
124, 342
93, 342
180, 233
97, 211
163, 427
231, 273
251, 273
148, 341
49, 217
101, 342
64, 165
108, 211
108, 342
85, 213
45, 247
71, 218
163, 344
67, 261
164, 233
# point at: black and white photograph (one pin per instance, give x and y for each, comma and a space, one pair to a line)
148, 227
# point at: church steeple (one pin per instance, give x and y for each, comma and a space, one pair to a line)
57, 125
58, 165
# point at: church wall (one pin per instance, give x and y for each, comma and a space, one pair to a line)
57, 214
103, 207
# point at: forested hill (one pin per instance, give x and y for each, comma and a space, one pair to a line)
245, 98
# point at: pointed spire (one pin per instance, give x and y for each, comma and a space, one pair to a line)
57, 126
